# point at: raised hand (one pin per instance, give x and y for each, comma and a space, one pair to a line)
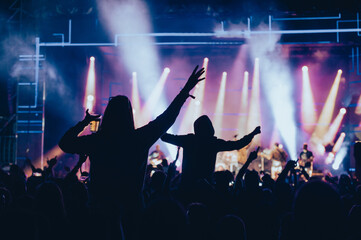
256, 131
52, 162
291, 164
88, 117
253, 155
172, 168
193, 79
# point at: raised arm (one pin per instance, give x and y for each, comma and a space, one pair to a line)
241, 143
252, 156
70, 142
28, 161
177, 140
289, 166
73, 172
49, 171
172, 169
164, 121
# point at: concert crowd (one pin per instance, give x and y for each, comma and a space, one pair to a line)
125, 198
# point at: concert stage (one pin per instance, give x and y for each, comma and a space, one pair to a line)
297, 76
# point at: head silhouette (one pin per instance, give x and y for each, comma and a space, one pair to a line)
118, 117
320, 197
305, 146
203, 127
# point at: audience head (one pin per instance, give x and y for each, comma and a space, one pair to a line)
157, 180
354, 221
118, 116
230, 227
317, 197
251, 180
49, 201
203, 127
165, 215
223, 179
197, 214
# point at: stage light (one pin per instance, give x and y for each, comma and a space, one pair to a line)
278, 85
279, 91
330, 157
218, 113
242, 122
340, 156
89, 99
153, 106
199, 92
327, 111
254, 108
134, 43
254, 114
339, 142
308, 113
136, 101
332, 131
92, 58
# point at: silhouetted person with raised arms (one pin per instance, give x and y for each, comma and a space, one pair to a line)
118, 152
200, 149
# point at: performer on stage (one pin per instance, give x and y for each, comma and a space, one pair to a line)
306, 159
279, 159
156, 157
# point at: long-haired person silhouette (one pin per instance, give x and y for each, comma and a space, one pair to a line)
118, 152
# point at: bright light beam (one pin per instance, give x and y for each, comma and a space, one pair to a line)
338, 143
327, 111
308, 114
332, 131
335, 149
139, 53
279, 90
254, 110
151, 107
89, 100
136, 100
340, 156
242, 122
218, 113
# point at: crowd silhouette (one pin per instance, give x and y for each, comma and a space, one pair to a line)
124, 198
